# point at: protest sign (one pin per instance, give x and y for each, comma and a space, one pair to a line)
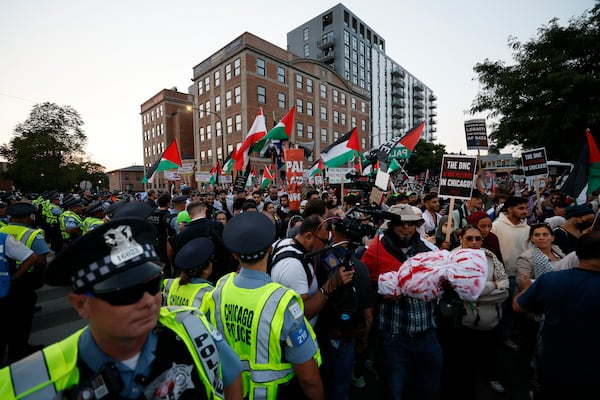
476, 134
294, 168
458, 176
534, 162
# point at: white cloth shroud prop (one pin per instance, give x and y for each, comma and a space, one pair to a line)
419, 276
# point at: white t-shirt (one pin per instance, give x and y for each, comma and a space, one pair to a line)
290, 273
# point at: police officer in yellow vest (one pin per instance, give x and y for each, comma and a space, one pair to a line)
132, 349
51, 212
70, 219
94, 217
262, 320
21, 217
194, 263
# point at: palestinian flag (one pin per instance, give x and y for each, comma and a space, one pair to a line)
342, 150
251, 177
317, 168
229, 163
390, 149
267, 178
395, 166
281, 131
214, 174
257, 131
585, 177
169, 159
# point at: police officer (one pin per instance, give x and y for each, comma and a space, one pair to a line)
51, 213
94, 217
124, 353
179, 203
70, 219
193, 262
262, 320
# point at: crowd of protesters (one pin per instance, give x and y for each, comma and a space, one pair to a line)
331, 252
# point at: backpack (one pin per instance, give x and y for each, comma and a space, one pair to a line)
293, 254
450, 310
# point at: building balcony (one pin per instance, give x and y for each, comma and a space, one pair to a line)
432, 129
432, 97
397, 92
418, 96
326, 56
398, 72
433, 113
418, 105
398, 103
418, 88
398, 82
432, 121
433, 106
325, 43
398, 113
398, 124
418, 114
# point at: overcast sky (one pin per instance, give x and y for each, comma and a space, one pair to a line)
105, 58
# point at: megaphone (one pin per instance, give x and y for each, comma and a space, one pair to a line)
308, 147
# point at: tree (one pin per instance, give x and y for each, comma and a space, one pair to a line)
427, 155
551, 94
45, 149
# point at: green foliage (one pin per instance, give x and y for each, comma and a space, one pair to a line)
47, 150
552, 92
426, 156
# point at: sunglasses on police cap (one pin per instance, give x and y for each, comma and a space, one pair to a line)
130, 295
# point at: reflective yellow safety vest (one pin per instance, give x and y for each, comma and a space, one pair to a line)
44, 374
63, 228
189, 295
23, 234
90, 223
249, 317
47, 208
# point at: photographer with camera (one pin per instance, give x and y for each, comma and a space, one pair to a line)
347, 317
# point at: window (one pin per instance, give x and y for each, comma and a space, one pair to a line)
335, 95
336, 117
207, 106
309, 108
299, 129
363, 143
323, 91
363, 106
229, 122
299, 106
343, 99
201, 111
299, 81
344, 119
353, 100
353, 122
217, 78
260, 66
281, 100
201, 133
281, 74
305, 34
202, 156
306, 51
336, 136
238, 122
209, 156
200, 88
228, 98
324, 135
218, 129
229, 148
208, 132
309, 85
237, 92
227, 72
219, 153
207, 84
217, 103
309, 131
363, 125
324, 113
262, 94
236, 67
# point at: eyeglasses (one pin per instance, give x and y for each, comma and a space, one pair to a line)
324, 241
130, 295
473, 238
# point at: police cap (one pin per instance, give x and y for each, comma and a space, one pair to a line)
94, 207
194, 255
54, 196
179, 199
20, 210
249, 235
132, 209
116, 255
71, 201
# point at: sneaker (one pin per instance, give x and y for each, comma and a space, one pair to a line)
496, 386
359, 382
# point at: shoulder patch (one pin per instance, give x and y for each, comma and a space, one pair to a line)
295, 310
298, 337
